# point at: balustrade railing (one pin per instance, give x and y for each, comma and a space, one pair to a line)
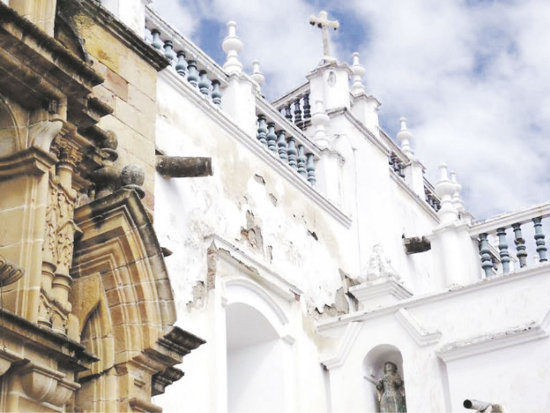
430, 197
285, 141
517, 238
296, 107
186, 59
397, 165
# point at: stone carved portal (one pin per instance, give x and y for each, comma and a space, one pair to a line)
254, 362
383, 366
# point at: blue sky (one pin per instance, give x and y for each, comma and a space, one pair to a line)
472, 77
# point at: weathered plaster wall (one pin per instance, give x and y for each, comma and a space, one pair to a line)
130, 89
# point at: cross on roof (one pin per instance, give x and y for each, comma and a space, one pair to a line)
324, 23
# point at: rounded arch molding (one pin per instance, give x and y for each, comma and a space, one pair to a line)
241, 290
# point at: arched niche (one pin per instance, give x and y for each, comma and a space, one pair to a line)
373, 368
9, 133
255, 362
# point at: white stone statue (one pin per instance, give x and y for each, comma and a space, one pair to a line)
380, 266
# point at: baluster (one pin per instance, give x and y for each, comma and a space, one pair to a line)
307, 109
484, 251
216, 93
169, 51
288, 113
520, 245
539, 239
301, 161
297, 113
204, 83
401, 170
262, 130
271, 137
156, 43
281, 145
310, 167
181, 66
503, 250
193, 74
148, 36
292, 153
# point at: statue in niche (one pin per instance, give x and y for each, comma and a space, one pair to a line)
380, 266
391, 392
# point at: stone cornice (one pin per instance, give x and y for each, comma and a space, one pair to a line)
420, 300
31, 161
118, 29
496, 340
285, 171
58, 346
61, 55
261, 272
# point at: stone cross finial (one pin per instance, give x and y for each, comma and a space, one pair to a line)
324, 23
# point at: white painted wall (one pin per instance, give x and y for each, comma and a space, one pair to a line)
292, 277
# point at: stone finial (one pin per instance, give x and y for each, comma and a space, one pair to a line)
319, 120
232, 45
357, 87
445, 189
457, 199
404, 137
380, 266
106, 178
133, 177
257, 75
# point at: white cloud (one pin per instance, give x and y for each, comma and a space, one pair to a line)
182, 15
473, 77
474, 81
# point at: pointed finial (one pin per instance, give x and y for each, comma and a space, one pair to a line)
404, 137
357, 87
257, 75
232, 45
445, 189
457, 199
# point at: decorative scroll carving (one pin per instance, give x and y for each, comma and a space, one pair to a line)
8, 273
50, 253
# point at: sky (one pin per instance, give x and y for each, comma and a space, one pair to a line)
471, 76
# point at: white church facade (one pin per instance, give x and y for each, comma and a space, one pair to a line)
317, 255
